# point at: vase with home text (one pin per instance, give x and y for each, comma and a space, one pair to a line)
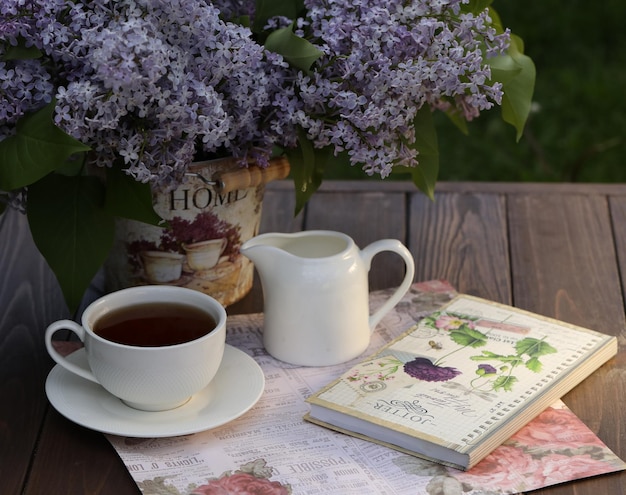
208, 217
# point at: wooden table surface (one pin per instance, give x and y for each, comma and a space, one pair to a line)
558, 250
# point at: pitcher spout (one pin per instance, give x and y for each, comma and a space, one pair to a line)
265, 250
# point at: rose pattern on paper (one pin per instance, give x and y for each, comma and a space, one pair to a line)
554, 429
250, 479
534, 457
241, 484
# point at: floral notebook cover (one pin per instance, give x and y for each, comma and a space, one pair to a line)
462, 380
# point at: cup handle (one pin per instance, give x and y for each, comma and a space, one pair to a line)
397, 247
61, 360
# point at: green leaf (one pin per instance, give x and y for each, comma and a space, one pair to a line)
533, 364
496, 22
266, 9
431, 320
467, 336
505, 383
485, 356
75, 165
533, 347
424, 176
71, 230
307, 169
128, 198
21, 52
476, 6
38, 148
297, 51
516, 72
512, 359
458, 120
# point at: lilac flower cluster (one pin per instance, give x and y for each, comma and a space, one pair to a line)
385, 59
150, 82
25, 85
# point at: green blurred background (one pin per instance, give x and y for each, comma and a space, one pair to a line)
576, 132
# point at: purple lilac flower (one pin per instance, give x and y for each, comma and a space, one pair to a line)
424, 369
146, 82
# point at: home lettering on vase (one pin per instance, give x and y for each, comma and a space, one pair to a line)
203, 197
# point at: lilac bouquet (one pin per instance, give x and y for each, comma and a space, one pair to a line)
145, 83
368, 74
142, 88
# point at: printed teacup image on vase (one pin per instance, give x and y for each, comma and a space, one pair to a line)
199, 259
200, 222
204, 255
162, 267
200, 254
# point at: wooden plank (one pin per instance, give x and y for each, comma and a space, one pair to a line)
461, 238
564, 266
278, 212
617, 207
73, 459
564, 260
30, 300
465, 187
366, 217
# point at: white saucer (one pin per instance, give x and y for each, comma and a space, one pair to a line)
237, 386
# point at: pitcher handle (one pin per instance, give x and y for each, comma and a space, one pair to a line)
397, 247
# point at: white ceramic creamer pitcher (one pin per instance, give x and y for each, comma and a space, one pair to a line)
316, 294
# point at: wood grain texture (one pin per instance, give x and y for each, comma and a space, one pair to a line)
461, 238
278, 212
564, 260
72, 459
29, 299
617, 208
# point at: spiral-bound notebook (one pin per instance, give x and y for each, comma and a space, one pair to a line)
461, 381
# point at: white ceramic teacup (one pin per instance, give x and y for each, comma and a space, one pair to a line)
148, 378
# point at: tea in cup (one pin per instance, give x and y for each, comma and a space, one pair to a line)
153, 347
